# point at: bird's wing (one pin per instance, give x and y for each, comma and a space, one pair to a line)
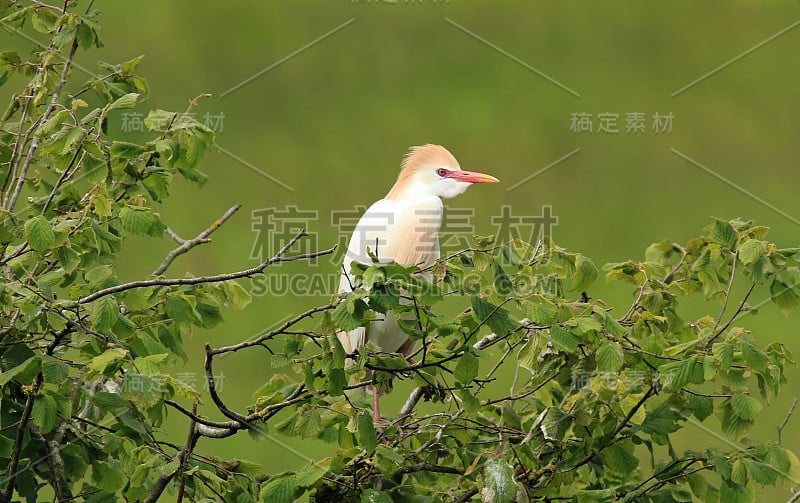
392, 230
370, 234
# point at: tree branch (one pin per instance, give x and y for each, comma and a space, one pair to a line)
620, 426
786, 419
184, 456
46, 115
261, 338
278, 257
727, 293
201, 238
418, 392
22, 427
212, 390
733, 317
427, 467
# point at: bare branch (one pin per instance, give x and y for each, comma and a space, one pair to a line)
668, 277
201, 420
418, 392
278, 257
174, 236
261, 338
733, 317
786, 419
212, 390
427, 467
727, 293
184, 456
201, 238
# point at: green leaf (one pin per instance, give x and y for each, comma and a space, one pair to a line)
585, 273
44, 413
337, 380
541, 311
723, 234
39, 233
738, 472
662, 420
745, 407
609, 356
57, 119
584, 325
760, 471
141, 221
112, 402
619, 458
125, 101
107, 477
784, 296
237, 295
102, 497
752, 250
179, 309
467, 368
54, 370
495, 317
23, 373
85, 35
702, 406
280, 490
529, 355
103, 360
210, 314
125, 150
675, 375
469, 401
309, 475
365, 431
563, 340
308, 423
149, 365
350, 314
97, 274
498, 482
105, 313
732, 493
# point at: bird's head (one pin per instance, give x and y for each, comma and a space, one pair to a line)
431, 169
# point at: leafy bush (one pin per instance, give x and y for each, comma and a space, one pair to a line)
538, 391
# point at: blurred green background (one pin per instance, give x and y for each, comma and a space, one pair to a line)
332, 122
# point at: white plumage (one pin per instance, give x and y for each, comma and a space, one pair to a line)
404, 227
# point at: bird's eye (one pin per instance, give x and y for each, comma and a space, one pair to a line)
441, 172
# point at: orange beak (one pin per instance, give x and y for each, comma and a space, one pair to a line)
473, 177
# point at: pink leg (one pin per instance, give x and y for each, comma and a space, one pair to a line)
375, 406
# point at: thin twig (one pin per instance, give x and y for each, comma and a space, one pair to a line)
261, 338
35, 142
417, 393
427, 467
727, 294
184, 455
278, 257
733, 317
66, 174
201, 238
786, 419
668, 277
